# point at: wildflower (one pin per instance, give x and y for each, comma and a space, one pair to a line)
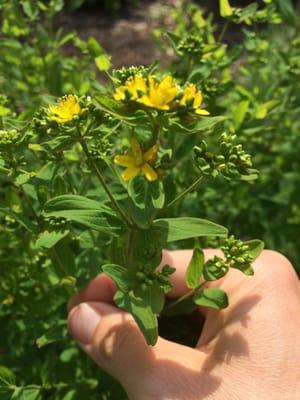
148, 92
65, 110
136, 162
192, 96
135, 86
160, 94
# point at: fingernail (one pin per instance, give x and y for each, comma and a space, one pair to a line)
82, 323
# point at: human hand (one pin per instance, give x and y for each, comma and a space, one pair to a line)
251, 350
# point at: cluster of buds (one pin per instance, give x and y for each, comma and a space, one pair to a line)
191, 45
121, 75
58, 223
149, 278
9, 139
237, 255
231, 161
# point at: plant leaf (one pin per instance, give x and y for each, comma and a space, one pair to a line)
256, 246
154, 296
7, 377
195, 269
54, 334
119, 275
49, 239
142, 314
82, 210
172, 229
147, 198
212, 297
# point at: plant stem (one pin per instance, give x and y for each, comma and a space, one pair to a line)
182, 298
185, 192
102, 181
224, 29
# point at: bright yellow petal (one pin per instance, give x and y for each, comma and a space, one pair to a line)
130, 173
119, 93
136, 151
146, 101
124, 160
197, 100
151, 153
201, 111
149, 172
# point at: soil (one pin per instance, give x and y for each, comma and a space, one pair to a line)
127, 37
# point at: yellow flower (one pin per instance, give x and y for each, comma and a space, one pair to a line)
66, 109
194, 97
135, 86
136, 162
160, 94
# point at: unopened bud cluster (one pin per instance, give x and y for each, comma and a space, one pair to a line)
231, 160
191, 45
237, 254
148, 278
122, 75
9, 138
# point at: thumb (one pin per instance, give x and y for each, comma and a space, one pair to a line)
112, 338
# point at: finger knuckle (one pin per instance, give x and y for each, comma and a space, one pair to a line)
280, 265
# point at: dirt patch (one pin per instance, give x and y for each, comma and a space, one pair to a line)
128, 39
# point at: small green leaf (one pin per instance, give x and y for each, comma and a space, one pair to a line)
212, 297
54, 334
7, 377
263, 109
173, 229
103, 62
195, 269
48, 171
240, 112
80, 209
142, 314
288, 11
28, 393
147, 198
255, 247
49, 239
153, 296
119, 275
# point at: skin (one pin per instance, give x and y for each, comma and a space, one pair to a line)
251, 350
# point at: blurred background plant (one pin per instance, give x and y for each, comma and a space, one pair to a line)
248, 67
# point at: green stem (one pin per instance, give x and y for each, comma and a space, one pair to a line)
130, 247
60, 264
102, 181
182, 298
185, 192
224, 29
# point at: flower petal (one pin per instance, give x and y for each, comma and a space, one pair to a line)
124, 160
130, 173
201, 111
136, 151
151, 153
149, 172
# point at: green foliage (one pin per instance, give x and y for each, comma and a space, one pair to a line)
67, 212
